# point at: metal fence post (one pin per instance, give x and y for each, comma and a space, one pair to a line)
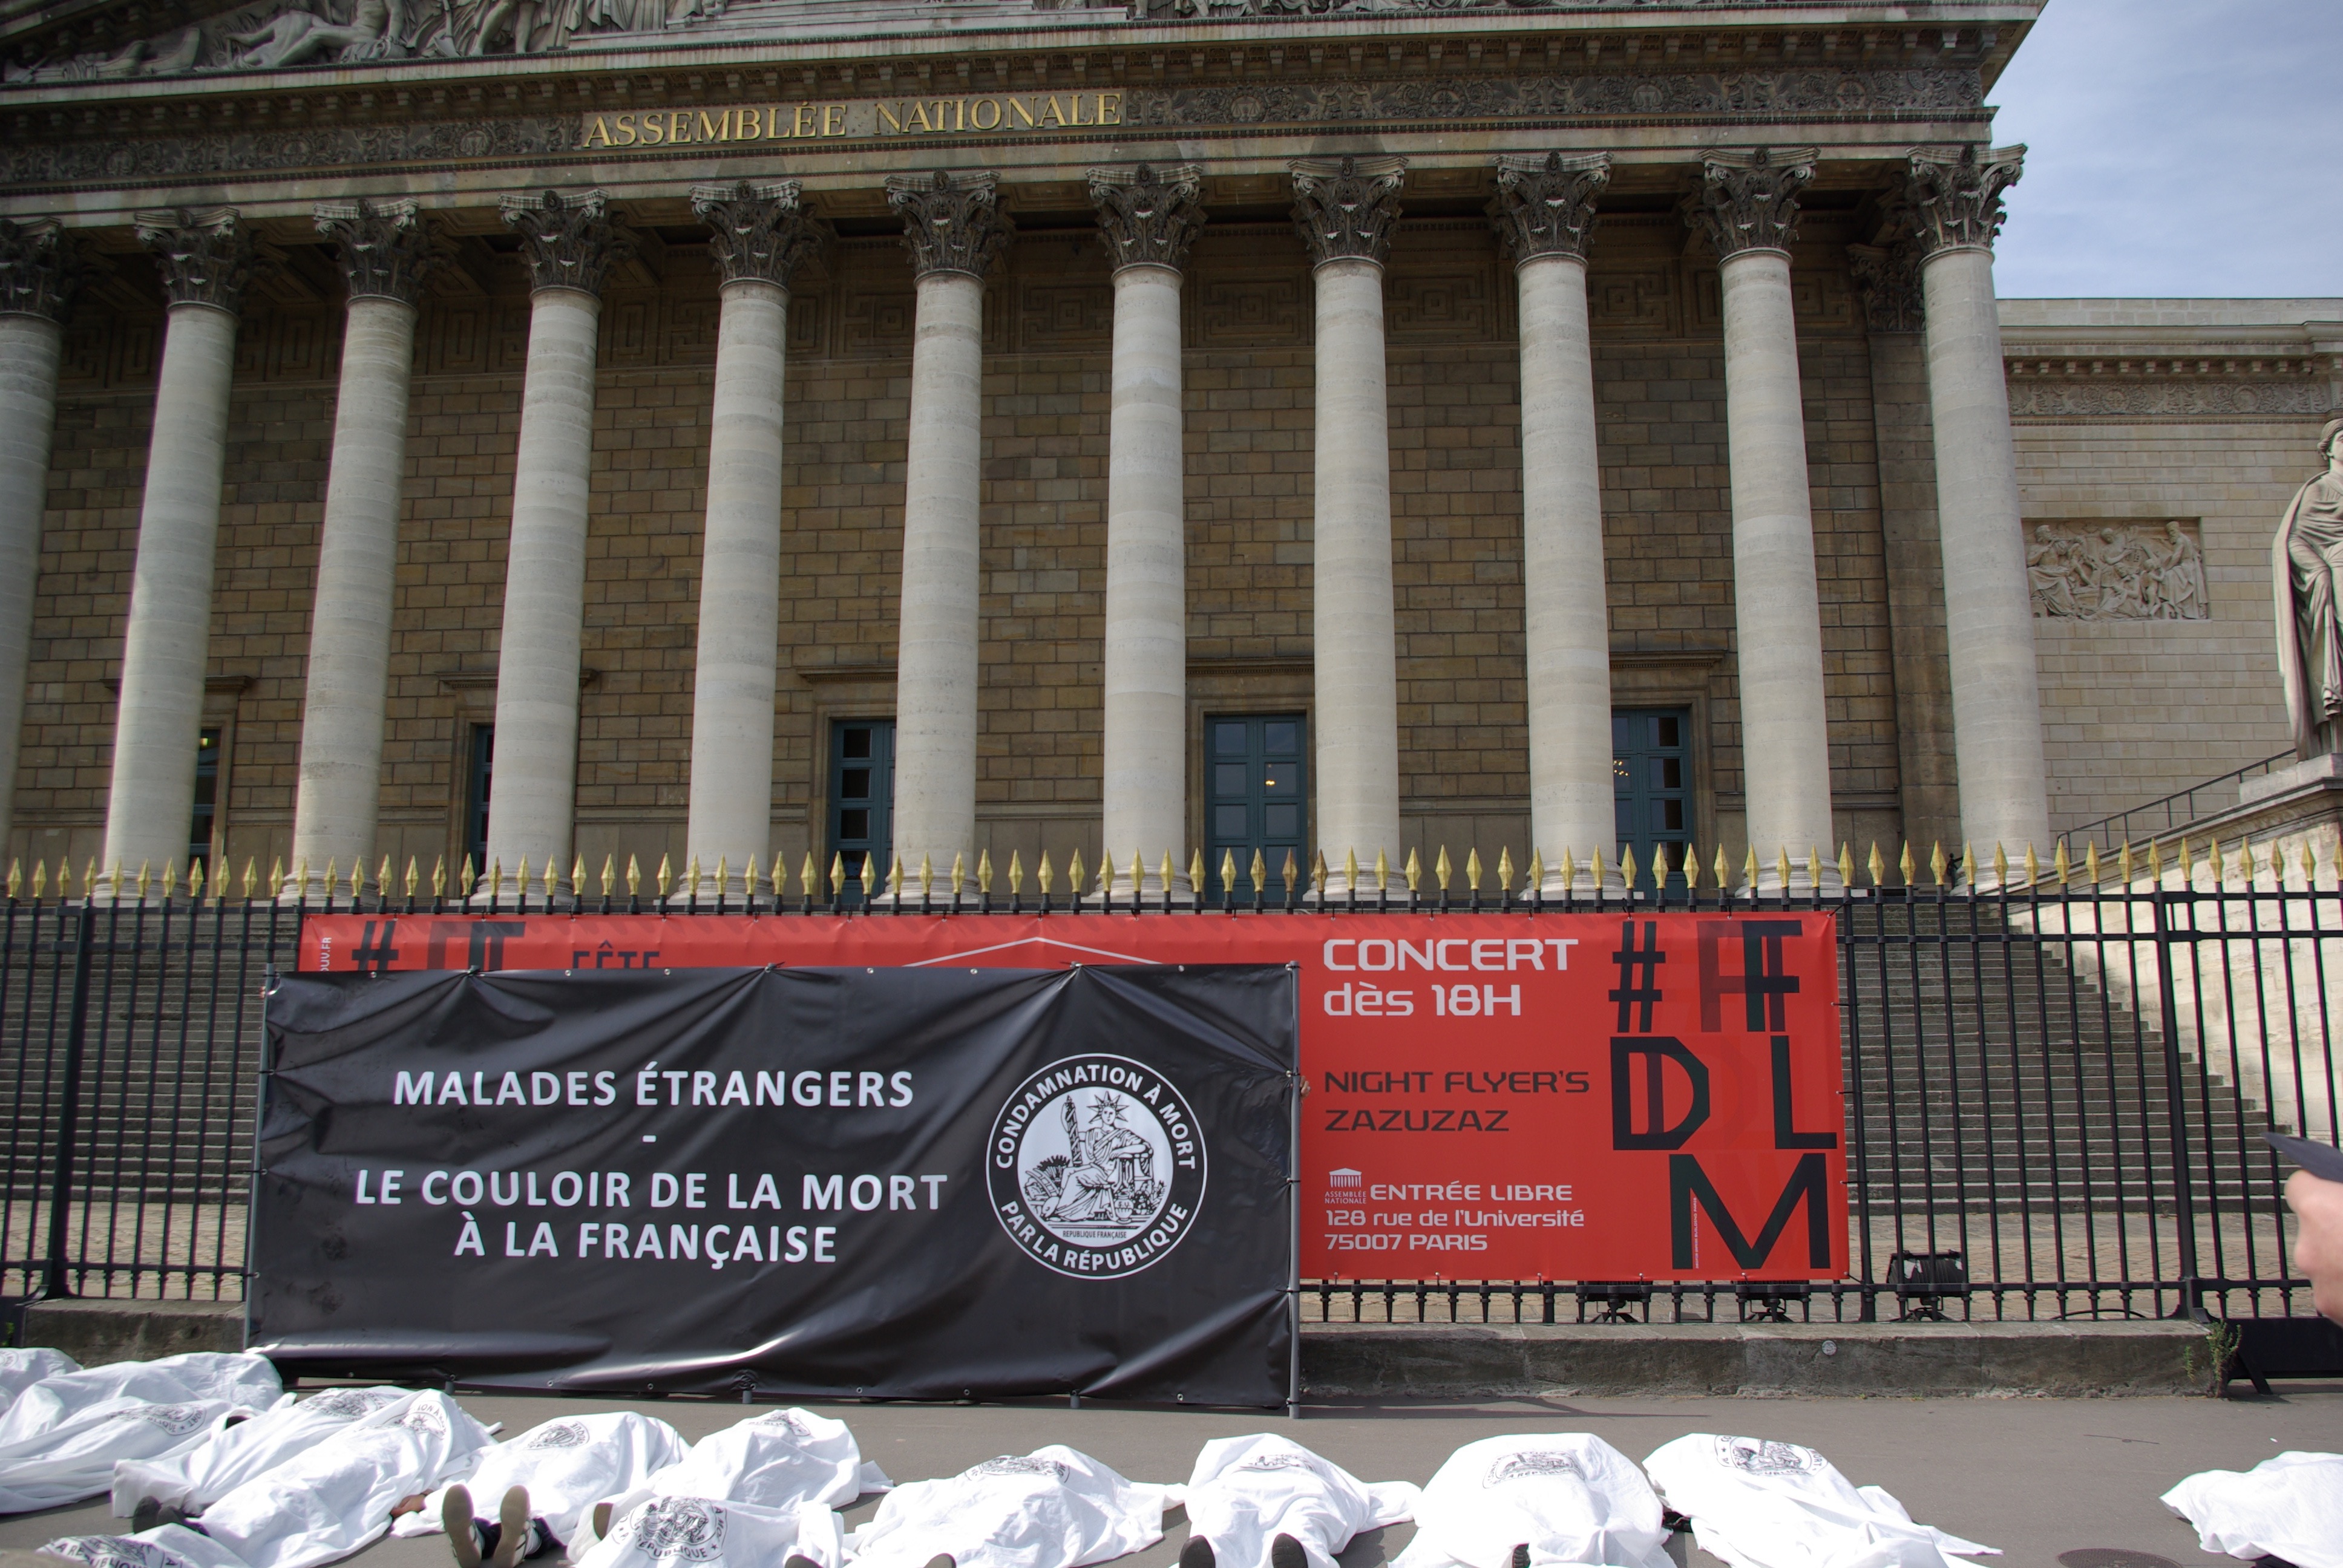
2184, 1198
55, 1284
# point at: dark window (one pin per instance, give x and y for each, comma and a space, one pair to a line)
862, 802
206, 813
476, 796
1255, 798
1651, 773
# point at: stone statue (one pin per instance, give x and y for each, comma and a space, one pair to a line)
377, 30
2305, 559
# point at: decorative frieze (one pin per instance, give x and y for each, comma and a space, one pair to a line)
1344, 210
1887, 281
385, 249
758, 233
567, 242
950, 223
206, 257
40, 268
1749, 200
2117, 571
1149, 216
2089, 397
1546, 207
1957, 195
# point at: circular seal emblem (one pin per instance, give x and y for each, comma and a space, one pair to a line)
1096, 1167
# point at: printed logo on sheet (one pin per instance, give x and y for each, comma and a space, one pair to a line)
1096, 1167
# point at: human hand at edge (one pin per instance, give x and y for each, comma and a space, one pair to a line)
2317, 1205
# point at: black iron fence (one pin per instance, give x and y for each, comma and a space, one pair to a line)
2057, 1081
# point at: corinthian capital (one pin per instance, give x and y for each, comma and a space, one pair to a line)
758, 233
205, 257
1749, 201
386, 251
1957, 195
1149, 217
950, 224
1546, 207
40, 268
566, 241
1887, 281
1346, 209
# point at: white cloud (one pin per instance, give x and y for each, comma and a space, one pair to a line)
2178, 148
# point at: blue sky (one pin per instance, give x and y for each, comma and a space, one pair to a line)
2178, 148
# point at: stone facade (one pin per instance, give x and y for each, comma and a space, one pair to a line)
2130, 708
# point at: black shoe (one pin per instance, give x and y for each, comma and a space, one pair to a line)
1197, 1553
798, 1559
146, 1515
1285, 1552
456, 1519
1521, 1554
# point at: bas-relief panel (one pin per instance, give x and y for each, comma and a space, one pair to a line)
2118, 571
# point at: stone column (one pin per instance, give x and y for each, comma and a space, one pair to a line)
1989, 610
1544, 211
39, 270
760, 235
386, 253
569, 245
1344, 213
956, 232
1748, 206
205, 259
1149, 218
1887, 281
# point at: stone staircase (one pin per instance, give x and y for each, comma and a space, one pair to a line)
1992, 1075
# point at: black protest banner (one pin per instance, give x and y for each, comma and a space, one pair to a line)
913, 1183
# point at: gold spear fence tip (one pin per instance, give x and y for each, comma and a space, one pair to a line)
1351, 870
1814, 867
691, 877
248, 878
16, 877
1228, 872
1846, 865
870, 879
358, 879
927, 875
1782, 865
551, 879
40, 879
1627, 866
2155, 860
170, 879
723, 874
806, 875
1877, 866
90, 885
145, 878
1196, 872
577, 874
1691, 867
1383, 871
1596, 869
196, 882
1414, 871
2123, 862
1441, 869
1164, 871
2060, 866
1016, 873
1909, 871
2091, 862
609, 873
837, 874
1504, 869
2309, 864
1536, 871
1938, 863
959, 871
1293, 870
895, 875
1074, 875
65, 877
664, 877
634, 875
1472, 870
467, 879
333, 875
1044, 877
520, 882
2245, 853
383, 875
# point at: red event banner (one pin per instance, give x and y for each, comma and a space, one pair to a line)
1489, 1096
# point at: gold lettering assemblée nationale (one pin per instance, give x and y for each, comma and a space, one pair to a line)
885, 117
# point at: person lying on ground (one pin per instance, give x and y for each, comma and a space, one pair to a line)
21, 1369
326, 1504
76, 1457
2288, 1509
774, 1461
230, 1378
1052, 1508
547, 1478
1760, 1504
1268, 1501
1564, 1497
682, 1532
192, 1481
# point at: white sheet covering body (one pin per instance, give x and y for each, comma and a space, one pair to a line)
568, 1465
337, 1497
192, 1481
74, 1458
1245, 1492
1760, 1504
20, 1369
706, 1532
1052, 1508
1569, 1496
169, 1547
230, 1378
775, 1461
2289, 1506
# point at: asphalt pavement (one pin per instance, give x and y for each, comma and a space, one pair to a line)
2043, 1480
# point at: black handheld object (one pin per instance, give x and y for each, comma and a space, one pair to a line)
2321, 1160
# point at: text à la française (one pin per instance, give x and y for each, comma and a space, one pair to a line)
1008, 113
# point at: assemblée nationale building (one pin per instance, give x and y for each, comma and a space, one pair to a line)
578, 431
